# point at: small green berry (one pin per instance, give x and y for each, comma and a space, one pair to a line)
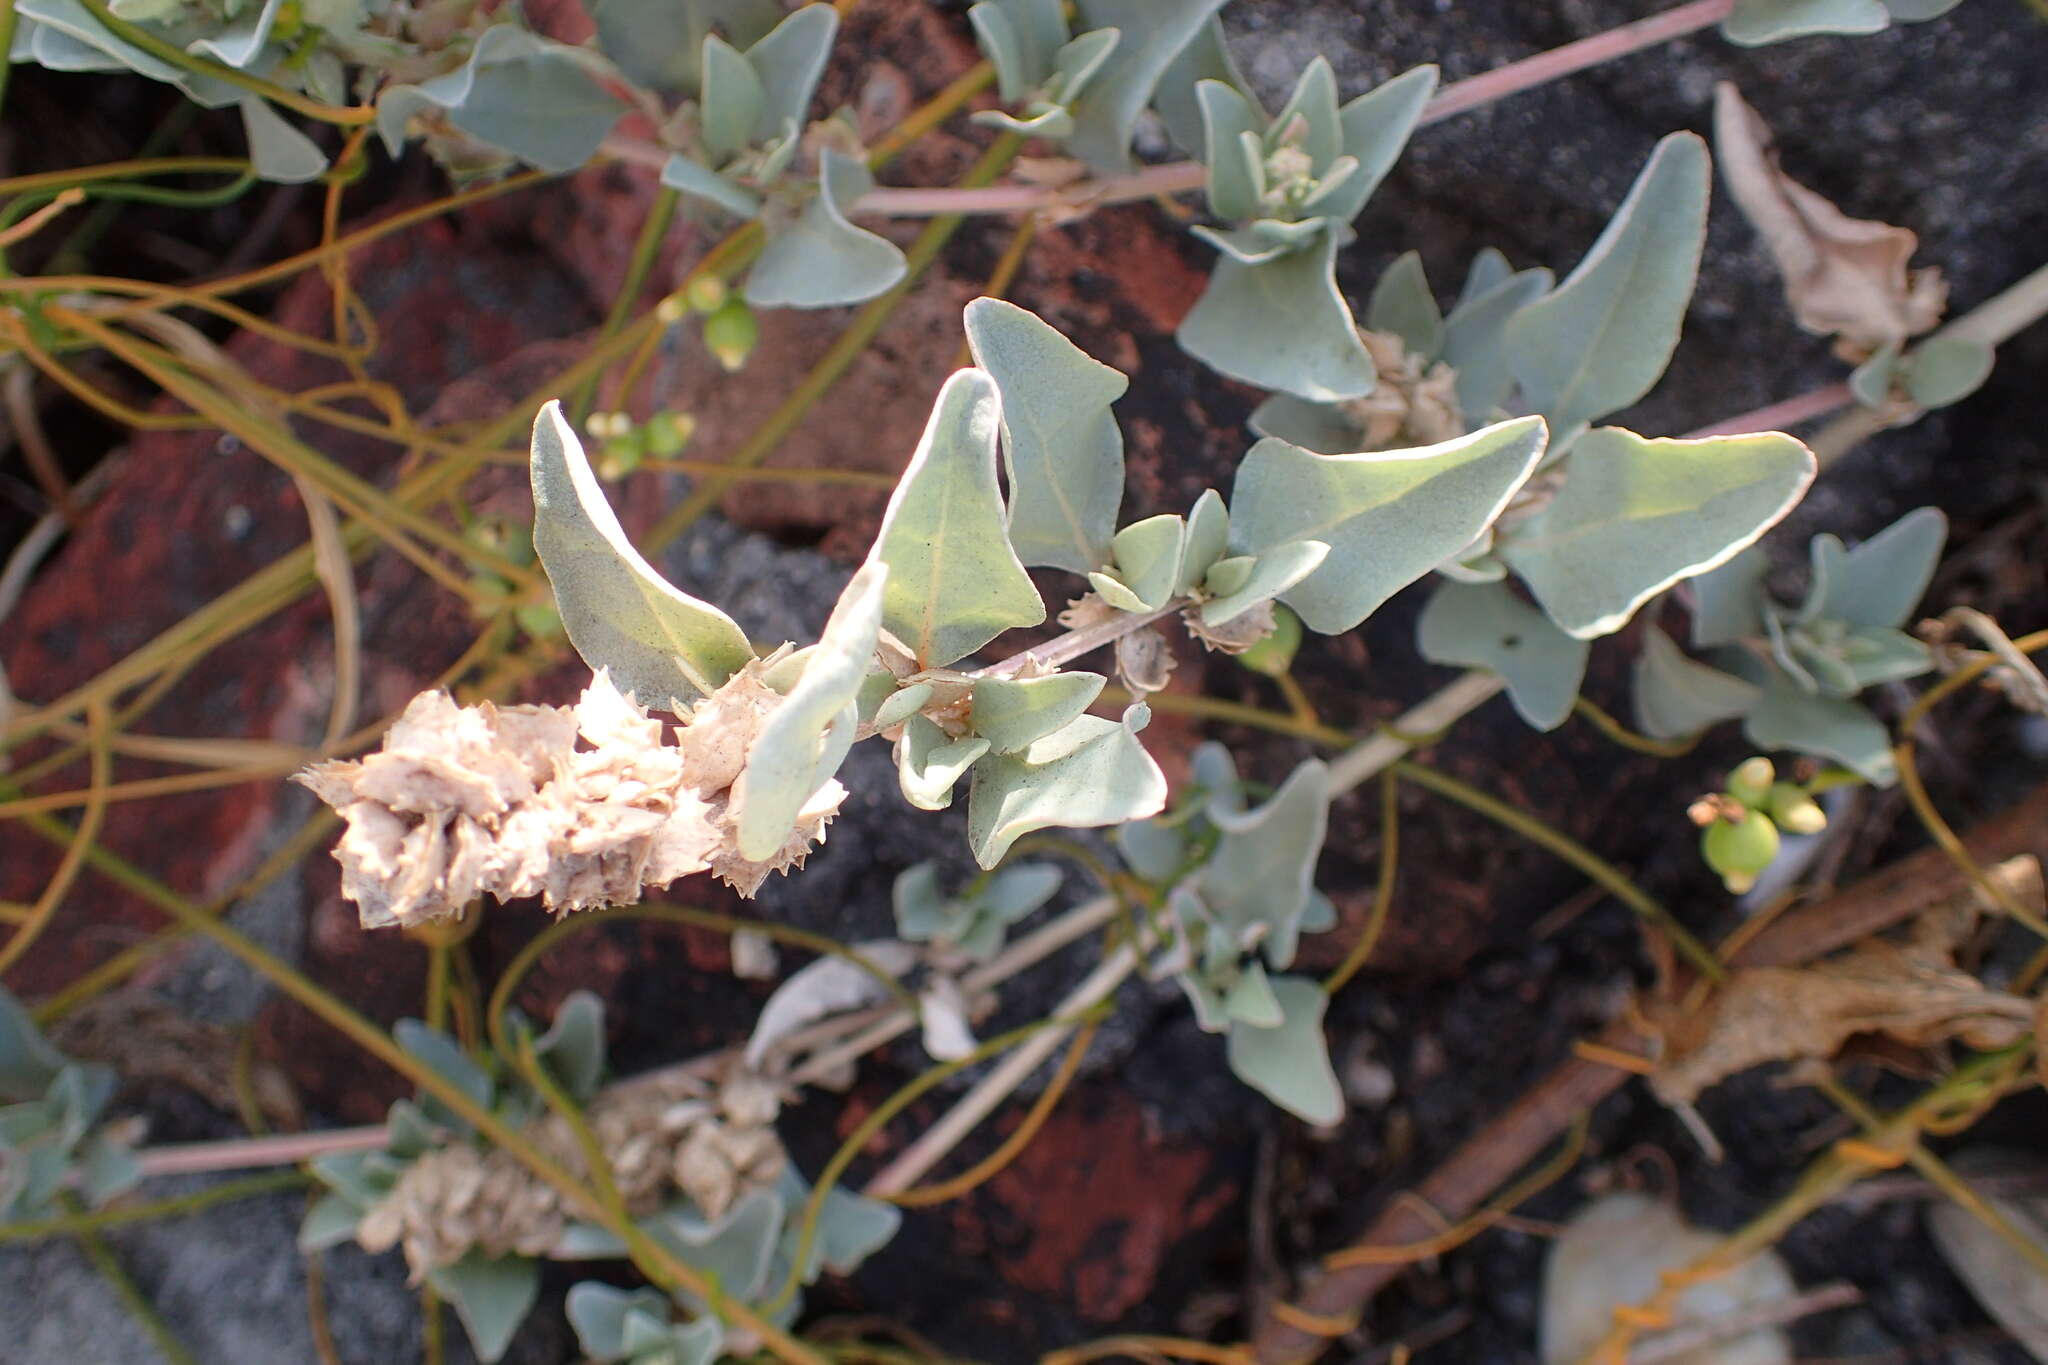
1274, 655
1750, 783
1795, 811
730, 333
706, 293
668, 433
1739, 849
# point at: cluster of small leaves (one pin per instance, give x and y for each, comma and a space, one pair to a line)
1791, 674
51, 1138
1237, 884
746, 1247
1739, 825
972, 922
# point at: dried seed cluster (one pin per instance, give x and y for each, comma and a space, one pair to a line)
581, 805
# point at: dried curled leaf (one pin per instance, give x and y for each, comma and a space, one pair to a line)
1910, 991
582, 806
1844, 277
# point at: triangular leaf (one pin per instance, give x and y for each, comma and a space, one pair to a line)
929, 762
1154, 33
1403, 305
1376, 126
800, 744
658, 643
1788, 717
1061, 447
1601, 339
1290, 1065
1637, 515
1389, 517
681, 173
1226, 117
1089, 773
1257, 882
280, 153
1727, 602
1475, 340
1267, 576
789, 60
1011, 713
1677, 696
954, 582
491, 1296
1880, 581
1484, 625
1282, 324
822, 260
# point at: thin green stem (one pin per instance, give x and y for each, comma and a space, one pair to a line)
122, 1215
9, 20
241, 80
646, 251
1573, 852
1383, 893
132, 1298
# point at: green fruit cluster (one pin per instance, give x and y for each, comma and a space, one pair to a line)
1740, 825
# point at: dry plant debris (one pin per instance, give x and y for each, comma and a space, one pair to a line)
667, 1132
1412, 403
1910, 991
1844, 277
463, 801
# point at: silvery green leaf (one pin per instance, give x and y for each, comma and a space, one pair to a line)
1490, 268
1061, 447
1014, 37
1753, 23
1011, 713
1601, 339
1282, 324
1112, 590
1677, 696
929, 762
541, 101
1324, 428
851, 1227
1403, 305
1088, 773
901, 705
1871, 382
1871, 655
658, 643
573, 1046
1208, 537
241, 42
328, 1223
656, 42
1788, 717
491, 1296
1290, 1065
1475, 339
1147, 555
2011, 1288
735, 1251
1205, 57
598, 1311
1257, 881
1251, 1002
1154, 33
821, 260
801, 742
1016, 891
1313, 101
921, 908
954, 582
1271, 574
1263, 239
28, 1062
105, 1168
1153, 849
1485, 625
1944, 370
61, 20
1389, 517
733, 101
1077, 62
446, 1059
789, 59
1376, 126
828, 986
1727, 602
1226, 576
948, 1035
408, 1131
280, 153
1226, 117
1636, 515
1880, 581
681, 173
1919, 11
